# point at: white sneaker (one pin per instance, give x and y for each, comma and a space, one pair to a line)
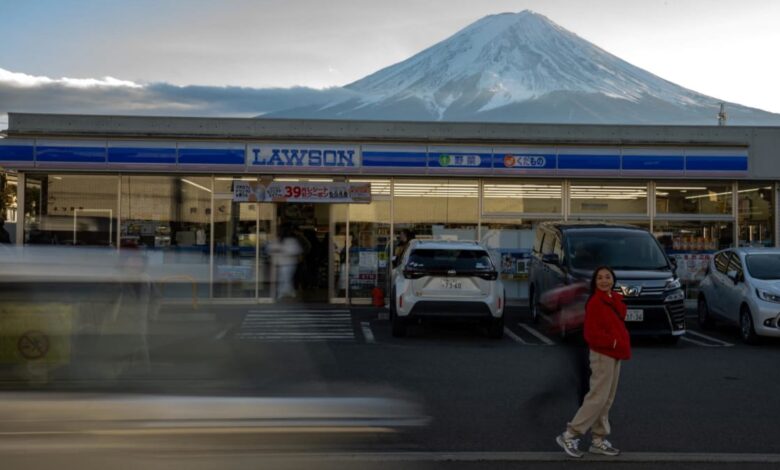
603, 447
570, 446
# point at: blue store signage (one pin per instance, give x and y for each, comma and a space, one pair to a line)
303, 156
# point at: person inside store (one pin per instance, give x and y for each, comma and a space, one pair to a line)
609, 343
5, 237
404, 237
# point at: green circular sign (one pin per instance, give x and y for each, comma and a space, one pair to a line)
444, 160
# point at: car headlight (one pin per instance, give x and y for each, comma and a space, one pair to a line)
769, 297
675, 296
672, 284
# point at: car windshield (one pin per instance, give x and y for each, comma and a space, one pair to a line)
763, 266
617, 249
443, 259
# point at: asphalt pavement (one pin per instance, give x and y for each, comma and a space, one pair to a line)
708, 401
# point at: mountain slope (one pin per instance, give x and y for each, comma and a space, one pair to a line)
522, 67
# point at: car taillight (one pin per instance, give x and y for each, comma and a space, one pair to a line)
499, 303
489, 276
409, 274
401, 301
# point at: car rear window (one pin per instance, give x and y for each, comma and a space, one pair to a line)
441, 259
763, 266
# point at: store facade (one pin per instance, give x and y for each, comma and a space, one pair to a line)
205, 197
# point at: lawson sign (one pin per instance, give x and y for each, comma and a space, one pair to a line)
303, 156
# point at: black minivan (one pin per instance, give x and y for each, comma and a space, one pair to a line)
568, 252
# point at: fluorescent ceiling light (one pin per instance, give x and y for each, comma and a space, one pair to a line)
196, 185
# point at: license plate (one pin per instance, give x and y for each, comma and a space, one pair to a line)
635, 315
450, 284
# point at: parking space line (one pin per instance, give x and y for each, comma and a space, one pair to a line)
514, 337
710, 338
367, 333
699, 343
543, 338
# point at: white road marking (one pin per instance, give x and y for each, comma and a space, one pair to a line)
646, 457
699, 342
514, 337
299, 325
543, 338
299, 311
222, 333
367, 333
709, 338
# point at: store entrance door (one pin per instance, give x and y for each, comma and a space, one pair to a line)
315, 275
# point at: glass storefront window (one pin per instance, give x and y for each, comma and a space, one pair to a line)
169, 217
369, 226
692, 244
756, 214
693, 198
437, 209
71, 209
239, 228
8, 209
510, 242
516, 197
598, 197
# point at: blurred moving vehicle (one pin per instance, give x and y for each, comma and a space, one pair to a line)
566, 253
446, 279
742, 287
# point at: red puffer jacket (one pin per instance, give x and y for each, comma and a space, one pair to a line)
605, 327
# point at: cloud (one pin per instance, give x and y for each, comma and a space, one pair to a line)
20, 92
27, 81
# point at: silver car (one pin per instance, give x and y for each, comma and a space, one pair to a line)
742, 287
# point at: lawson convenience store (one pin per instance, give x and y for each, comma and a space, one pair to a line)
203, 197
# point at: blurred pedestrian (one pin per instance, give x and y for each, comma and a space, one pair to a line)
285, 254
609, 343
125, 329
566, 308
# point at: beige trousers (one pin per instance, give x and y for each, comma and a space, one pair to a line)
594, 412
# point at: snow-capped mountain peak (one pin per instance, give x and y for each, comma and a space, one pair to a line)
513, 57
522, 67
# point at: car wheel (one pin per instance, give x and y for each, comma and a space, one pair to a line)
746, 328
534, 306
495, 328
703, 312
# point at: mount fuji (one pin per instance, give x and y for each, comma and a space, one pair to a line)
522, 67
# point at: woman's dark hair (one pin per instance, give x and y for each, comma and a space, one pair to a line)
595, 275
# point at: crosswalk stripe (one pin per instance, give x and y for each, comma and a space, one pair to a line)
297, 325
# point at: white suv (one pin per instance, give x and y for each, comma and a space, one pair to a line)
446, 279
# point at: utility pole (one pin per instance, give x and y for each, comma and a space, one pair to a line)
722, 117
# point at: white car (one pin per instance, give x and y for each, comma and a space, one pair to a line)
446, 279
742, 287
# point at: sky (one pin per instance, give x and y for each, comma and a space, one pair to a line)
170, 56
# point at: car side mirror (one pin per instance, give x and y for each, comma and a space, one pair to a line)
733, 276
551, 258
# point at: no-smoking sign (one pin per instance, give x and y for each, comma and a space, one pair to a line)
33, 344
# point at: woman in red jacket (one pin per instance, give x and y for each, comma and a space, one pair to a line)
609, 343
